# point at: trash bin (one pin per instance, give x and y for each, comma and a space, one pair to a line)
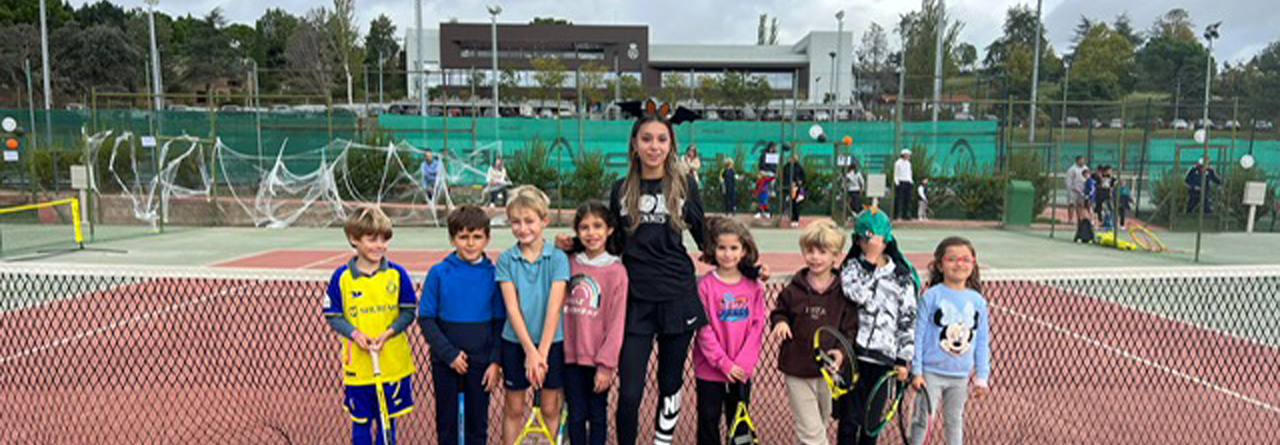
1019, 203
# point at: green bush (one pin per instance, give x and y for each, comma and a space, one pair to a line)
41, 165
366, 170
532, 166
968, 196
589, 180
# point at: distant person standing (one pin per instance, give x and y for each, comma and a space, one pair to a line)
853, 184
497, 183
768, 171
903, 186
793, 183
729, 180
693, 163
430, 171
1076, 202
922, 192
1201, 173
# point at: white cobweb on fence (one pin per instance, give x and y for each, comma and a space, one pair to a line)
312, 187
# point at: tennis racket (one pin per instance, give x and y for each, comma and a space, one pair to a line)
535, 429
915, 402
384, 418
743, 430
462, 410
889, 389
840, 380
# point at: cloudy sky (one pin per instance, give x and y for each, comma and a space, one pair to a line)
1245, 30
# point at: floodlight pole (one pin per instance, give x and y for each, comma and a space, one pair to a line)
1035, 76
1210, 33
493, 34
836, 67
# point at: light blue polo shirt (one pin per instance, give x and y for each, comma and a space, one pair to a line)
533, 285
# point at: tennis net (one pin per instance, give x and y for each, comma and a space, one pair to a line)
92, 354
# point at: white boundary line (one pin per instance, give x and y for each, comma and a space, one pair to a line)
322, 261
1141, 360
116, 325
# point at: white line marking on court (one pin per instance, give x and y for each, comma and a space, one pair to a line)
1141, 360
118, 324
325, 260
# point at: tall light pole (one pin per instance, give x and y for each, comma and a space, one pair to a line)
941, 28
493, 32
156, 82
1035, 75
44, 55
1210, 33
833, 90
836, 65
902, 83
420, 79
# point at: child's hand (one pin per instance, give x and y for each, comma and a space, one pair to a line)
764, 273
980, 391
604, 379
737, 374
902, 372
381, 339
782, 331
837, 359
492, 377
534, 369
564, 241
362, 340
917, 383
459, 364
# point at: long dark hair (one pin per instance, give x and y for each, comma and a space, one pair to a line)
935, 267
599, 210
674, 185
717, 226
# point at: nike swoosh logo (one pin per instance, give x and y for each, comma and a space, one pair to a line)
691, 321
670, 413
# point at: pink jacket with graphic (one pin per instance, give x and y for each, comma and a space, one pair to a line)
737, 314
595, 308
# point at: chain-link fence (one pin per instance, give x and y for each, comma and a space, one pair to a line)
171, 355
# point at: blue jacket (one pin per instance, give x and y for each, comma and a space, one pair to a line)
953, 334
461, 309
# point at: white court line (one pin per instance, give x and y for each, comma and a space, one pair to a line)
323, 261
116, 325
1142, 360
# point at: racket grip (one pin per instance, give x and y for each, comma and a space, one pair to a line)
377, 363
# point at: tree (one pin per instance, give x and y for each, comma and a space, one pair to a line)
98, 57
1264, 86
21, 43
921, 33
28, 11
631, 88
1082, 30
1014, 52
591, 82
381, 43
709, 90
550, 76
1125, 28
759, 92
1175, 24
1103, 65
205, 54
342, 29
873, 55
1174, 66
966, 55
762, 29
675, 87
274, 29
101, 13
509, 85
310, 55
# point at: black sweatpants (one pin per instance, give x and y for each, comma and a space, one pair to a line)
588, 410
448, 385
633, 366
718, 400
731, 200
902, 200
853, 406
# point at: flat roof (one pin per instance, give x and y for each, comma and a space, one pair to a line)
780, 55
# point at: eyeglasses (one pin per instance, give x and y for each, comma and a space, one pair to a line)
960, 259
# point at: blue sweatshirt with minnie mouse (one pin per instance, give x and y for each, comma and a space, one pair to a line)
953, 334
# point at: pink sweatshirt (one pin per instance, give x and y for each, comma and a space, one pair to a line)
737, 313
595, 307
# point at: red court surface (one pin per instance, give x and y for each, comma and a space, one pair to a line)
225, 360
421, 260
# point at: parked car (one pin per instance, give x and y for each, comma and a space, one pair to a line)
1071, 121
1179, 124
1202, 123
1231, 125
1116, 123
1263, 125
964, 117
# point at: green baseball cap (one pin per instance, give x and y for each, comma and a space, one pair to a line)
872, 222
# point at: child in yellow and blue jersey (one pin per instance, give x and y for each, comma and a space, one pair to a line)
369, 303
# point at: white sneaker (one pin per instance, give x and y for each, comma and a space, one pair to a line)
795, 225
759, 215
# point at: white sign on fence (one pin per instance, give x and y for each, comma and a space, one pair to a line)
876, 185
